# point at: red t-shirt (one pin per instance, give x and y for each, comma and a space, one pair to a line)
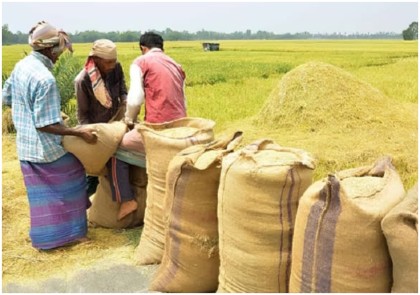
163, 81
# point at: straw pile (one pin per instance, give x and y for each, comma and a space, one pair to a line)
343, 121
319, 95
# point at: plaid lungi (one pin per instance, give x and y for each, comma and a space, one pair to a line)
57, 201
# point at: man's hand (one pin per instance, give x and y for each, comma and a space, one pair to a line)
128, 122
88, 134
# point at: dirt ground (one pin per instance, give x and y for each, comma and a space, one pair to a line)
104, 277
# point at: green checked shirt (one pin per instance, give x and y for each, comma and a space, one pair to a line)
32, 92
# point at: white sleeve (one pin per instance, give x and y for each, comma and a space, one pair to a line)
135, 96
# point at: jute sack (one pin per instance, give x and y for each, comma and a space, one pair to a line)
104, 211
190, 261
400, 227
338, 244
162, 142
259, 190
94, 156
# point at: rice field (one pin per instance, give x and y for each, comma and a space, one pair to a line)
232, 87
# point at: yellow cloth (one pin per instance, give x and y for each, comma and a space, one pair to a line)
104, 48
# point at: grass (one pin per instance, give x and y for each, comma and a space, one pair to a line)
342, 127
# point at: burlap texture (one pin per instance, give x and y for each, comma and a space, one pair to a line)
162, 142
94, 156
190, 261
259, 190
338, 244
401, 233
104, 211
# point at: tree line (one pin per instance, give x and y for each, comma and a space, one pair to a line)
170, 35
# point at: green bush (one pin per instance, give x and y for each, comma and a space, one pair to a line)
64, 71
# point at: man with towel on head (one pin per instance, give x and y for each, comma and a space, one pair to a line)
100, 90
54, 179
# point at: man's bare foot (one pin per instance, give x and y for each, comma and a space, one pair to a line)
126, 208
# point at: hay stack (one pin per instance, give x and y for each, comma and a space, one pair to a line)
343, 121
319, 95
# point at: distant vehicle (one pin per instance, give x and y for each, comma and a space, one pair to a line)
211, 46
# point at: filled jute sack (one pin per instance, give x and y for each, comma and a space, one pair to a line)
190, 261
162, 142
94, 156
400, 227
259, 191
338, 244
104, 211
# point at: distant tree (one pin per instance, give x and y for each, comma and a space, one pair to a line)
411, 33
7, 36
172, 35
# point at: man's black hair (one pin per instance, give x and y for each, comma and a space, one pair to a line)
150, 40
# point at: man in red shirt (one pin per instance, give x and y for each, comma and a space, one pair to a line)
159, 82
156, 80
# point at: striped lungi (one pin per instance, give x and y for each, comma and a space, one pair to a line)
57, 201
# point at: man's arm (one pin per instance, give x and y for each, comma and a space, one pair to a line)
82, 97
135, 97
88, 134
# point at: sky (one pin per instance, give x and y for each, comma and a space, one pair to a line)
219, 16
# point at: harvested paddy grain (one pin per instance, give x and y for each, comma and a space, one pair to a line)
341, 120
318, 95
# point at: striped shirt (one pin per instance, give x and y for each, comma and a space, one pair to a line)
32, 92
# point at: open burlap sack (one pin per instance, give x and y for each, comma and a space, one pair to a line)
104, 211
400, 227
338, 244
162, 142
190, 261
94, 156
259, 191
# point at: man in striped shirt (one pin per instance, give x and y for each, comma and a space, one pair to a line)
54, 179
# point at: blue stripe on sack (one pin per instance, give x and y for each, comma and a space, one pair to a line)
309, 242
326, 238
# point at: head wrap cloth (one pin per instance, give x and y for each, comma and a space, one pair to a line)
43, 35
104, 48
